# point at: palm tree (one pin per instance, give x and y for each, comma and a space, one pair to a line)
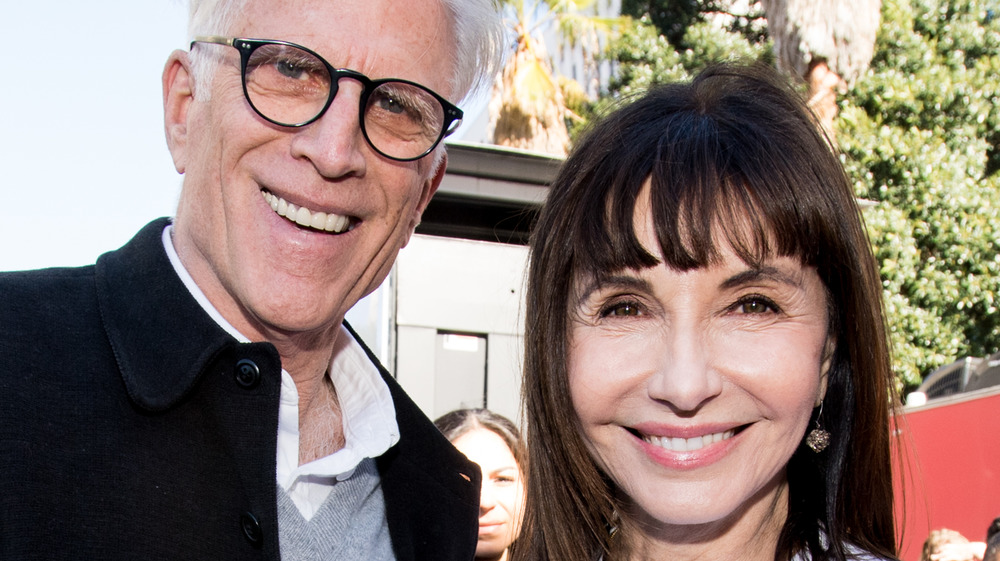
527, 108
827, 43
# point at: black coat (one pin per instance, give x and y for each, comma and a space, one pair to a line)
133, 427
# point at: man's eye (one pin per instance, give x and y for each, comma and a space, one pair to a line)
390, 104
289, 68
398, 100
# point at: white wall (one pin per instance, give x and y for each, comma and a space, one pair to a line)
461, 286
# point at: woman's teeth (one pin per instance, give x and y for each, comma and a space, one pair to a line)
688, 444
302, 216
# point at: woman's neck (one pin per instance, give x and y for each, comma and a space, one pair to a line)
749, 535
501, 557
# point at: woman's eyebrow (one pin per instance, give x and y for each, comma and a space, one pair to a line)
765, 273
615, 281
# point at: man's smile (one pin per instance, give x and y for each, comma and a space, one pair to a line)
317, 220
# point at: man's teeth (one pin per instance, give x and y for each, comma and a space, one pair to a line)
304, 217
688, 444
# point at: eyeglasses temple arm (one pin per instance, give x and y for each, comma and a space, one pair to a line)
214, 39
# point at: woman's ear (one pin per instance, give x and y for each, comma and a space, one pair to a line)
824, 368
178, 93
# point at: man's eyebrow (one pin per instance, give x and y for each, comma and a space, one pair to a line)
765, 273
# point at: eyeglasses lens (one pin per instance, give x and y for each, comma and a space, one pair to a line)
402, 120
287, 85
291, 86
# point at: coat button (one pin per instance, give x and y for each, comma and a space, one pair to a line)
251, 528
247, 374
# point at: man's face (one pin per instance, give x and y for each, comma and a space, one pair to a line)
266, 274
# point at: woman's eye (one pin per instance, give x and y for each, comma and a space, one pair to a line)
755, 305
621, 309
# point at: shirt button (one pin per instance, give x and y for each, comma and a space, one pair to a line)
251, 528
247, 374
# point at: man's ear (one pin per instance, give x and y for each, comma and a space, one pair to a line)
430, 187
178, 93
824, 369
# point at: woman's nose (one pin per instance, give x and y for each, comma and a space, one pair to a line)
684, 373
487, 499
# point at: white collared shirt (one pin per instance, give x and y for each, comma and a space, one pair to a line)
367, 411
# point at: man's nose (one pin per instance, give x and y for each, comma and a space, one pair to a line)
684, 375
334, 143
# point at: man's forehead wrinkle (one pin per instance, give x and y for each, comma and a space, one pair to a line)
381, 20
436, 35
414, 48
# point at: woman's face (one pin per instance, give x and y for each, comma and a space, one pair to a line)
502, 493
694, 388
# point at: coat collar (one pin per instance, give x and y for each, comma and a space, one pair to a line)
161, 337
164, 342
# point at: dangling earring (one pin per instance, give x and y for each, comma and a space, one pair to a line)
612, 526
818, 439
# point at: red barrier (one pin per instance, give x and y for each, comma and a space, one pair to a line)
949, 450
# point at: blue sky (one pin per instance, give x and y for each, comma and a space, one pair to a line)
82, 152
83, 157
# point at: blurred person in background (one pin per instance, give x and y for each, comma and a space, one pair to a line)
945, 544
493, 442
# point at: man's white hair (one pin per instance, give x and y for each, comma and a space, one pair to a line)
209, 17
477, 55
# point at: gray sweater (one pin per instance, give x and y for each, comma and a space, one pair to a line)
350, 524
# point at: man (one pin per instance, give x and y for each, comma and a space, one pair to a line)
195, 394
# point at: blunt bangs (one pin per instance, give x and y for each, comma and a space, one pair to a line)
715, 177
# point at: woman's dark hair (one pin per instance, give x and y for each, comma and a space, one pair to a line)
457, 423
732, 157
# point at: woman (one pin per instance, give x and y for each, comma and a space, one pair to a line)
707, 372
493, 442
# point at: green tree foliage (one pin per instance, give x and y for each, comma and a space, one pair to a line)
644, 56
919, 134
671, 18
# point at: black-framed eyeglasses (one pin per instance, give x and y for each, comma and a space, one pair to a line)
292, 86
